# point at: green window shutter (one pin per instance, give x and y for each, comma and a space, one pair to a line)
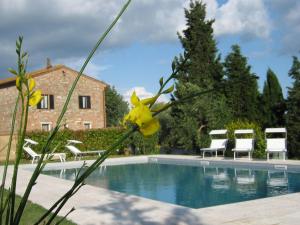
88, 102
51, 101
80, 102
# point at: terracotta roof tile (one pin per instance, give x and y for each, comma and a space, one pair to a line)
45, 71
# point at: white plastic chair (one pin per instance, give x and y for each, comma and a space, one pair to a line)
243, 145
77, 153
276, 145
216, 144
36, 157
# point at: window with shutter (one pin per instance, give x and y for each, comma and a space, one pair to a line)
47, 102
84, 102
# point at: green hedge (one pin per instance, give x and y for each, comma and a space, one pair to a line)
144, 146
260, 145
94, 139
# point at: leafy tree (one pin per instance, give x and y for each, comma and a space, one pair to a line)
272, 102
293, 110
199, 70
116, 107
241, 89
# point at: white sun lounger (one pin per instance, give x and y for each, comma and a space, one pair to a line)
36, 157
276, 145
216, 144
243, 144
77, 153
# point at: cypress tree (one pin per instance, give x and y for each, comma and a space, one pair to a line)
241, 89
293, 110
272, 102
202, 71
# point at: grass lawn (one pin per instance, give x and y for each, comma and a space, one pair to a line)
33, 212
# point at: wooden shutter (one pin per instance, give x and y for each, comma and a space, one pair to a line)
88, 102
80, 102
51, 100
39, 106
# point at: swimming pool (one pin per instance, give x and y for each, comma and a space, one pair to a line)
194, 186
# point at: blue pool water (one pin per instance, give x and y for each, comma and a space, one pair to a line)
191, 186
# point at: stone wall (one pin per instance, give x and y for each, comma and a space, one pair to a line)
8, 95
3, 147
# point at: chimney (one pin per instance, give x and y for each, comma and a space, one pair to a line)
48, 63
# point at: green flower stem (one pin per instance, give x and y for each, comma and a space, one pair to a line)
19, 153
2, 208
171, 76
185, 99
80, 179
14, 178
52, 134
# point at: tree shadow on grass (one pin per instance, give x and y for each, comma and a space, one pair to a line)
128, 210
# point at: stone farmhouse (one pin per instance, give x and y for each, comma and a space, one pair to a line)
86, 109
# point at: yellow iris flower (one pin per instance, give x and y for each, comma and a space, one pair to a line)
35, 96
141, 115
31, 84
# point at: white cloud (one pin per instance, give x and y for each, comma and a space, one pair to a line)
142, 93
291, 20
286, 25
92, 69
247, 17
69, 28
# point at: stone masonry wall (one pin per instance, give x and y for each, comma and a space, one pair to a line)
3, 147
8, 97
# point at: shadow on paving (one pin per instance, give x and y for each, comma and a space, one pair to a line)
124, 212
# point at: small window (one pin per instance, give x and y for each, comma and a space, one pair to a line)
46, 126
87, 125
47, 102
84, 102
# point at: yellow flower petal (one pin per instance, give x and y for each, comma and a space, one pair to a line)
35, 98
134, 99
150, 128
140, 115
18, 83
31, 84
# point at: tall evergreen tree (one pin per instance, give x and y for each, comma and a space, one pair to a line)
241, 89
201, 71
293, 110
272, 102
116, 107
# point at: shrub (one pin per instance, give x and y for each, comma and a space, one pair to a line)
139, 144
94, 139
259, 147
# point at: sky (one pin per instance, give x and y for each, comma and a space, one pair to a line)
142, 45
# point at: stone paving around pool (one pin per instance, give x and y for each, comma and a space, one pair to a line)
101, 206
